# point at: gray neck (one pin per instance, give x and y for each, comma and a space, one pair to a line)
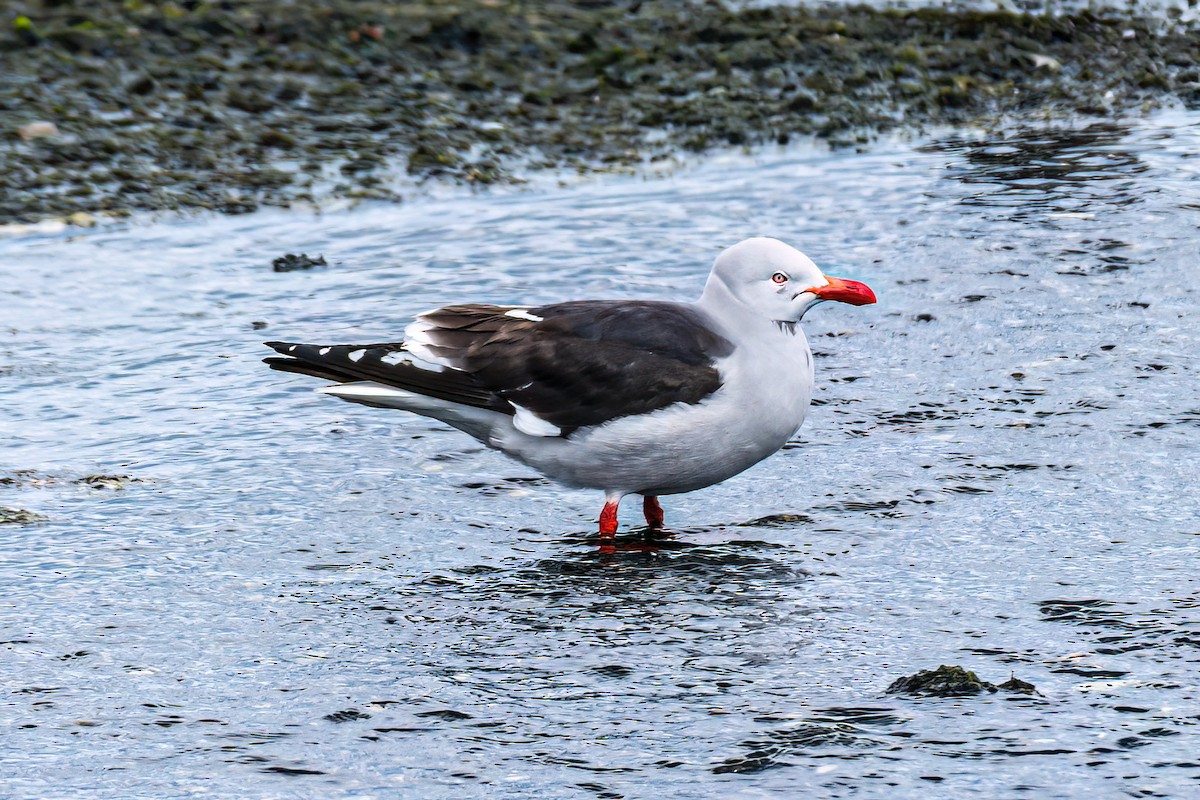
728, 311
719, 302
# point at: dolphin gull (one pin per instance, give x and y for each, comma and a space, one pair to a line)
627, 396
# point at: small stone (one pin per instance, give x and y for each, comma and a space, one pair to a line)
1042, 61
277, 139
1015, 684
143, 85
82, 219
37, 130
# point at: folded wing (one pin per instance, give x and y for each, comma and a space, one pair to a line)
556, 368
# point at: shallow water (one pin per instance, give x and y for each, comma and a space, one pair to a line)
299, 597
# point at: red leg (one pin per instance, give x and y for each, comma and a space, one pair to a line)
653, 511
608, 518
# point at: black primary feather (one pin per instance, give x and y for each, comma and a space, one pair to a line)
333, 362
574, 365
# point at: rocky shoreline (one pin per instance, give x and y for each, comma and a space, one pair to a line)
115, 106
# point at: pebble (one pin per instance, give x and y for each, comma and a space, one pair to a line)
37, 130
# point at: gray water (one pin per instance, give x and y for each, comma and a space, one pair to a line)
294, 597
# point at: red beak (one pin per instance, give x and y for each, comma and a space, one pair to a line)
844, 291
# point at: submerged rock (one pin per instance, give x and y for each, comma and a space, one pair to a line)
955, 681
292, 262
778, 521
27, 477
347, 715
107, 481
941, 682
19, 516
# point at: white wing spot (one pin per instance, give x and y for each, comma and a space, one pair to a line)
405, 357
292, 349
523, 313
324, 351
356, 355
396, 357
527, 422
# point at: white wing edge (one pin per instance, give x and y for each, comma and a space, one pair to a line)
527, 422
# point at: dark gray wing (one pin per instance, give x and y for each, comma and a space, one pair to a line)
571, 365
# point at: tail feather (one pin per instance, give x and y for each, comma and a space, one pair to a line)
479, 422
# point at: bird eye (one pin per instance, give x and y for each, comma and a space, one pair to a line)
779, 277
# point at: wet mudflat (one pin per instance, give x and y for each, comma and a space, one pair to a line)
285, 596
110, 106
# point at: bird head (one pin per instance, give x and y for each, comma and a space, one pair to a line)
778, 282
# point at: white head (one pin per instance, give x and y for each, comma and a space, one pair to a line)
776, 281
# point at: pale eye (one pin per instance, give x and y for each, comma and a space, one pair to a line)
779, 277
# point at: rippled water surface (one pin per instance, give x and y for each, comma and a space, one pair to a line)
295, 597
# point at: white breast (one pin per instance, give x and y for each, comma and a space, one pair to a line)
765, 393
